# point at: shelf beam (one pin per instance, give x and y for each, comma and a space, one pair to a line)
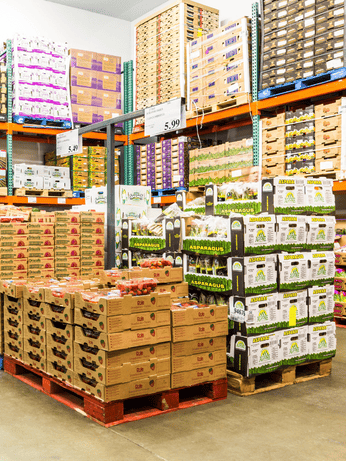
53, 201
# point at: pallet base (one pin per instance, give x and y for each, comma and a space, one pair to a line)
117, 412
287, 376
232, 102
42, 122
340, 321
42, 193
1, 362
164, 192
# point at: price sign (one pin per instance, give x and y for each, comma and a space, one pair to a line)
169, 116
68, 143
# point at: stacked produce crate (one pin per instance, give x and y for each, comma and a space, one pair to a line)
95, 86
30, 176
13, 321
304, 140
79, 169
219, 67
160, 50
2, 324
97, 160
301, 41
67, 251
3, 93
92, 229
223, 163
41, 245
13, 249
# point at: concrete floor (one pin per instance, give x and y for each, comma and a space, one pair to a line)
301, 422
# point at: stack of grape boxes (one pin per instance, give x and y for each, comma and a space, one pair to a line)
122, 345
198, 344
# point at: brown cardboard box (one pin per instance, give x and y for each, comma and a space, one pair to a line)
13, 350
164, 275
66, 301
92, 228
92, 250
40, 240
69, 251
39, 252
68, 240
35, 361
68, 263
109, 100
37, 349
127, 304
34, 333
118, 358
13, 265
14, 241
123, 340
325, 165
192, 362
198, 376
10, 288
192, 316
109, 63
35, 320
72, 217
84, 114
109, 82
13, 253
43, 263
41, 228
120, 323
328, 123
60, 372
61, 332
59, 344
13, 303
35, 307
326, 108
107, 114
60, 357
65, 228
60, 313
125, 373
13, 338
123, 391
328, 137
39, 274
82, 59
83, 78
13, 228
176, 290
200, 331
83, 96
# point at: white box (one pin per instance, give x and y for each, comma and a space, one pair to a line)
289, 195
322, 341
291, 233
322, 267
294, 271
58, 172
293, 308
319, 195
321, 232
28, 182
321, 303
57, 184
25, 169
294, 345
133, 195
128, 211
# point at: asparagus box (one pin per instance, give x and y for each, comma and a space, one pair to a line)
255, 355
291, 233
284, 196
321, 303
322, 267
293, 308
253, 235
294, 271
294, 345
321, 232
319, 195
255, 315
322, 341
254, 275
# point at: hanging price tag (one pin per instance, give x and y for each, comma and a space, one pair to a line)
32, 199
169, 116
61, 200
68, 143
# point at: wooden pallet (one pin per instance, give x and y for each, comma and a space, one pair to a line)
42, 193
121, 411
3, 191
233, 102
340, 321
287, 376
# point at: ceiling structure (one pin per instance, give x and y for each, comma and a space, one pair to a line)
128, 10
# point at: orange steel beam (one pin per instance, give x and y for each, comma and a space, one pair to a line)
311, 92
165, 200
339, 186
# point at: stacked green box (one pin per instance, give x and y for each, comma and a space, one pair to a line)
97, 157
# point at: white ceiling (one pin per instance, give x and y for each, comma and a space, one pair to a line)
128, 10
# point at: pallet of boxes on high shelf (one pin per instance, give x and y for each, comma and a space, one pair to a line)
300, 42
40, 82
304, 140
161, 41
95, 86
218, 68
3, 93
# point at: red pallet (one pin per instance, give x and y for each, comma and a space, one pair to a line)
120, 411
340, 321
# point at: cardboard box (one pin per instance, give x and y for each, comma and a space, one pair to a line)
14, 241
83, 59
200, 331
321, 232
198, 376
322, 341
83, 78
84, 114
293, 308
60, 346
60, 357
40, 240
176, 290
118, 358
60, 313
68, 240
164, 275
294, 346
291, 233
322, 267
13, 303
92, 228
60, 372
126, 305
72, 217
37, 252
34, 307
321, 303
39, 274
44, 263
70, 251
66, 301
13, 228
294, 271
35, 360
125, 373
60, 332
254, 275
35, 320
192, 362
92, 250
65, 228
83, 96
123, 340
14, 351
13, 339
146, 386
253, 235
192, 316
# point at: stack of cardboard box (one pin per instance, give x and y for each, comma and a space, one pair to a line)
41, 245
3, 93
13, 321
219, 66
97, 158
95, 86
13, 249
92, 229
41, 177
67, 235
79, 170
122, 347
198, 344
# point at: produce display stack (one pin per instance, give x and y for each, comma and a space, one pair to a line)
41, 246
13, 248
161, 50
79, 166
30, 176
3, 93
219, 66
97, 160
122, 344
2, 325
304, 140
13, 332
95, 86
300, 41
40, 80
229, 162
92, 241
68, 243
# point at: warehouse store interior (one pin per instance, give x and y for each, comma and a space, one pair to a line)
172, 230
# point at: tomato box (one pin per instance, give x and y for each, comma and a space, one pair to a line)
92, 217
14, 275
67, 251
42, 240
41, 228
13, 317
200, 331
60, 357
123, 340
192, 316
126, 305
177, 290
35, 360
60, 313
60, 372
34, 333
92, 239
123, 374
198, 346
36, 320
59, 345
92, 250
164, 275
198, 376
67, 216
60, 332
93, 271
40, 252
61, 272
150, 385
118, 358
13, 228
192, 362
34, 307
13, 265
14, 241
67, 240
